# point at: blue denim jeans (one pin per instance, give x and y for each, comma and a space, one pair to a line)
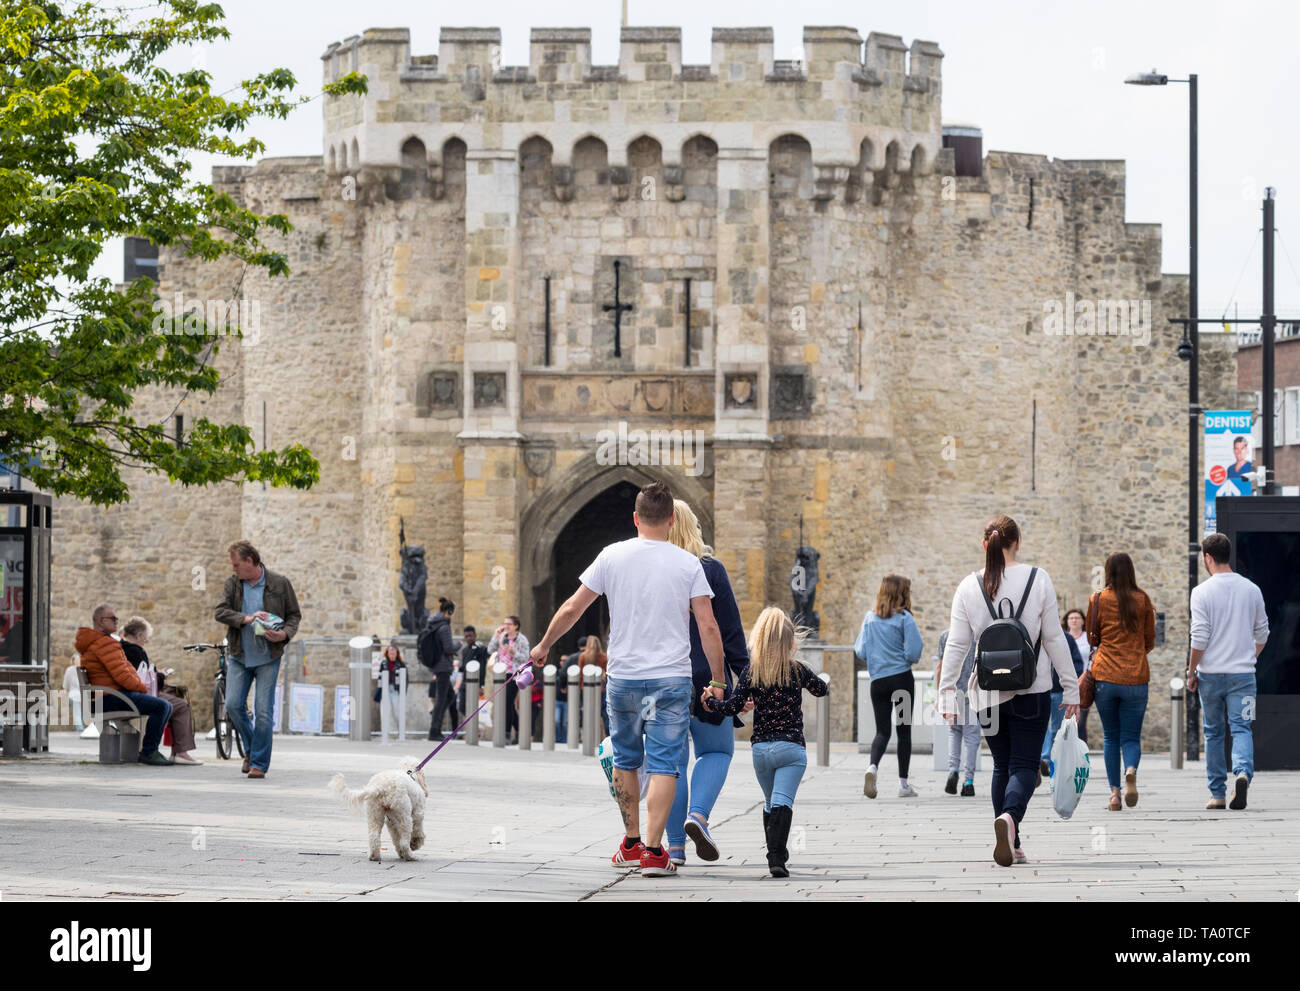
647, 722
1122, 709
561, 719
1053, 725
1227, 703
159, 712
257, 737
714, 746
779, 767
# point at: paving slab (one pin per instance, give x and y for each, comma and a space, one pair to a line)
505, 824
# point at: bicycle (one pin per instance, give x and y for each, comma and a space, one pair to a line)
228, 740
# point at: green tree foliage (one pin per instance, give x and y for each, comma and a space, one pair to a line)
95, 139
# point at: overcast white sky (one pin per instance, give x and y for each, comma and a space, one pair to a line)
1041, 77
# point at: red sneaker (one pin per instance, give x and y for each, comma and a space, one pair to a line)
657, 866
628, 860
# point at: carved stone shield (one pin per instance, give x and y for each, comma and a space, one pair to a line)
538, 459
657, 394
444, 387
740, 391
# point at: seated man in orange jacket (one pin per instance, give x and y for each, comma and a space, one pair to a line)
106, 664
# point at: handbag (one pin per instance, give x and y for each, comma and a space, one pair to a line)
1087, 683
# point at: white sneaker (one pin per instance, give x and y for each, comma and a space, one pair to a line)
907, 791
178, 758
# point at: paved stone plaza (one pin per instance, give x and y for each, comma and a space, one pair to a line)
540, 826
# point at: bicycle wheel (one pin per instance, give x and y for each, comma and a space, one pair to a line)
220, 720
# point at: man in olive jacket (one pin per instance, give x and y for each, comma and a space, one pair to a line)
255, 593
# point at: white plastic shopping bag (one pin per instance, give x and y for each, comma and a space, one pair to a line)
145, 672
1070, 768
605, 753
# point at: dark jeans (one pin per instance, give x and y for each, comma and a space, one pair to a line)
442, 699
157, 709
1021, 722
884, 691
512, 708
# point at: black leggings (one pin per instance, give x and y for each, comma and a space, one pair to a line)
883, 693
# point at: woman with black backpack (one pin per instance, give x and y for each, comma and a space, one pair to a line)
1009, 611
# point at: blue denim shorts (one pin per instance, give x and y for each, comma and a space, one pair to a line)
648, 721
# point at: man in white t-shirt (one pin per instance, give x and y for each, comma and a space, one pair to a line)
1229, 630
652, 586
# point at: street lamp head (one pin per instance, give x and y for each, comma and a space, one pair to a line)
1151, 78
1185, 349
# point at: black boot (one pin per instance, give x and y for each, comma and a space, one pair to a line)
767, 827
777, 835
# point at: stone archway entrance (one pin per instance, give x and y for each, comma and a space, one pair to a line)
604, 520
565, 526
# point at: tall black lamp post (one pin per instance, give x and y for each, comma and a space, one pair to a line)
1189, 351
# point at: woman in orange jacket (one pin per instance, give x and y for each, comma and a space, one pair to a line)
1122, 626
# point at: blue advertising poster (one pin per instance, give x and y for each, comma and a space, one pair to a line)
1228, 459
342, 708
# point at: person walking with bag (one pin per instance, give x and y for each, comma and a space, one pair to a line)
712, 735
1229, 632
1075, 622
1012, 680
653, 587
1045, 763
1122, 627
890, 644
435, 648
775, 682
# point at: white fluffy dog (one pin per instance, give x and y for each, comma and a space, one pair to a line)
395, 797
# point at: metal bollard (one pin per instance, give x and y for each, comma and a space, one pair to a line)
401, 704
359, 688
548, 707
824, 725
573, 707
1177, 702
384, 689
592, 731
471, 701
500, 674
866, 717
524, 706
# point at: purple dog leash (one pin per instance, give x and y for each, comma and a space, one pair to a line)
522, 678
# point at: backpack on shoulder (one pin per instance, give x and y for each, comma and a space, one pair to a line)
1005, 660
426, 648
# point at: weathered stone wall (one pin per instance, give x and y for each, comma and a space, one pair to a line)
871, 345
162, 555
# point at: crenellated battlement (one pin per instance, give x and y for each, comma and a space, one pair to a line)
841, 93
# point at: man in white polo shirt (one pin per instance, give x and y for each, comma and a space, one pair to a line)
652, 586
1229, 630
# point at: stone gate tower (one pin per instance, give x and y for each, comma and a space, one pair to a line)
507, 280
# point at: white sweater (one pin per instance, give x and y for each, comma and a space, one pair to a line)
970, 617
1228, 620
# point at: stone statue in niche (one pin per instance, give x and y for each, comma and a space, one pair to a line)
414, 577
803, 584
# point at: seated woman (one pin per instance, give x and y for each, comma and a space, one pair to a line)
135, 635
